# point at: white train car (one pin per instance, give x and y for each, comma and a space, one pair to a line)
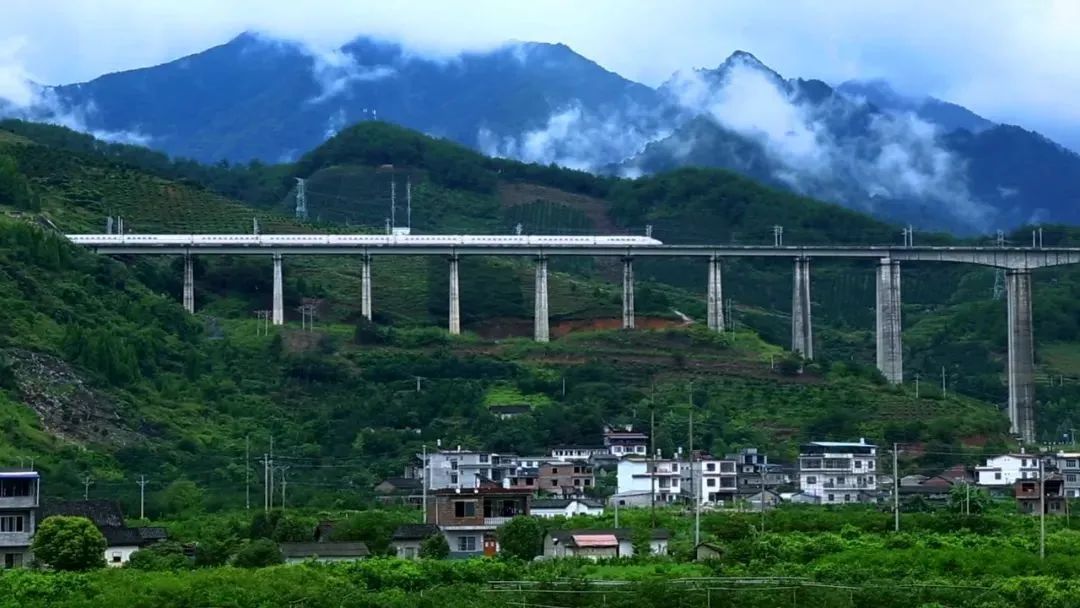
361, 240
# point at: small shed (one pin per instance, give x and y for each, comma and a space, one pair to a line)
708, 551
324, 552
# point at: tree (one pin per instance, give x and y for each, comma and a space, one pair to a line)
258, 554
181, 497
522, 537
435, 547
963, 498
69, 543
161, 556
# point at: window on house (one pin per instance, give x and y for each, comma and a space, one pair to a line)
870, 465
710, 482
453, 478
513, 481
577, 482
997, 475
847, 497
811, 479
711, 466
466, 543
554, 483
832, 498
1071, 463
588, 482
577, 470
858, 464
529, 481
453, 464
463, 508
840, 481
1023, 462
12, 523
1070, 478
116, 557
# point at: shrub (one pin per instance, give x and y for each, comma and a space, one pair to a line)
69, 543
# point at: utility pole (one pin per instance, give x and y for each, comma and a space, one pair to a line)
142, 496
896, 488
247, 472
967, 499
916, 386
284, 484
270, 488
761, 493
424, 482
266, 483
87, 480
695, 480
778, 236
943, 394
417, 383
1042, 510
652, 455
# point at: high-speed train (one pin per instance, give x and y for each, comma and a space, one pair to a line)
361, 240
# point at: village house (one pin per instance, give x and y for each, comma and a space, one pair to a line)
469, 517
399, 491
566, 507
718, 480
121, 540
324, 549
407, 539
577, 453
566, 479
1028, 500
19, 492
464, 469
600, 543
623, 441
660, 477
839, 472
508, 411
1068, 464
1003, 471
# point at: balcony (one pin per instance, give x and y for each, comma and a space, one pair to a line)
18, 502
831, 485
14, 539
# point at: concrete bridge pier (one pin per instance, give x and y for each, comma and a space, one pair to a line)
628, 293
715, 296
802, 335
455, 298
189, 283
365, 287
541, 328
278, 317
890, 356
1021, 362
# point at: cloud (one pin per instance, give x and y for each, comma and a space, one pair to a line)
576, 138
21, 98
895, 157
334, 70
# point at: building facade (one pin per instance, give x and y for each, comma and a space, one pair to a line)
19, 500
1005, 470
566, 479
660, 477
1068, 464
717, 478
464, 469
625, 441
838, 472
469, 517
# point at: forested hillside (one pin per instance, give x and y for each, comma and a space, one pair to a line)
99, 353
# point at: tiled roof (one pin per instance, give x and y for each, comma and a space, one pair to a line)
414, 531
562, 503
619, 533
328, 549
104, 513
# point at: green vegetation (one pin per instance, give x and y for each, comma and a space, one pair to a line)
69, 543
151, 390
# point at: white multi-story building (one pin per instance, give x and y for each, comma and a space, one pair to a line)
1068, 464
713, 480
464, 469
641, 476
19, 491
625, 441
838, 472
1005, 470
576, 452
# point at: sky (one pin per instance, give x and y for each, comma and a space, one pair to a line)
1011, 61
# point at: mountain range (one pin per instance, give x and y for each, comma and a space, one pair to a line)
917, 160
